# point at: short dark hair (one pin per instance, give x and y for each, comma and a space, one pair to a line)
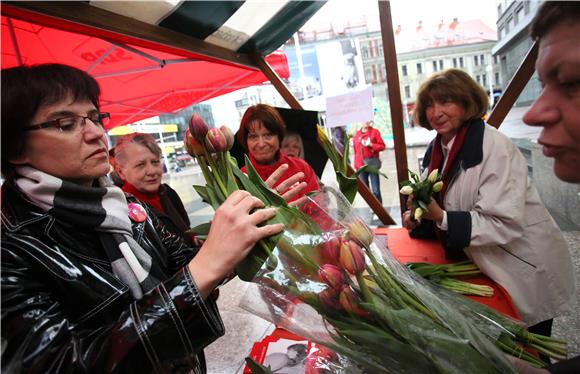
552, 13
25, 89
451, 85
269, 117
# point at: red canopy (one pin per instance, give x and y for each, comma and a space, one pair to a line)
136, 82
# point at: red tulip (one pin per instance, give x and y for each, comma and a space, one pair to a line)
332, 276
198, 127
330, 249
229, 135
216, 141
349, 301
361, 233
352, 257
192, 146
329, 299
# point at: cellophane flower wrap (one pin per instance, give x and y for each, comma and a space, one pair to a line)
327, 278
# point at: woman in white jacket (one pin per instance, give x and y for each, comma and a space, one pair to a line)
488, 210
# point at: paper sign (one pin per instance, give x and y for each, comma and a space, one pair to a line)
355, 106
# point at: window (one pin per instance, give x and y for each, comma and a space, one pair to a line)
478, 79
434, 65
461, 62
484, 80
365, 52
476, 60
497, 79
404, 70
454, 62
407, 92
380, 47
495, 59
499, 11
507, 25
374, 73
482, 60
368, 75
383, 72
419, 68
440, 64
501, 33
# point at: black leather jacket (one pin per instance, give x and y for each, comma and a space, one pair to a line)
63, 310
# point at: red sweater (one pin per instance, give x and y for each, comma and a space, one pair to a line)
295, 165
361, 152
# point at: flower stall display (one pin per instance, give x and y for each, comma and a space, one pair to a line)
327, 279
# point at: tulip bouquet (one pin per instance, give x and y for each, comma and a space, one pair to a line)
342, 288
327, 278
422, 191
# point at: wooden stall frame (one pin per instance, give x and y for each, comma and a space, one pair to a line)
104, 24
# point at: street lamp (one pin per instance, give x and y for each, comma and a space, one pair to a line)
489, 70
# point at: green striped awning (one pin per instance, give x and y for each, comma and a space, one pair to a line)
241, 26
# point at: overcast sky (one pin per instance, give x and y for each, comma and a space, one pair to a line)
406, 13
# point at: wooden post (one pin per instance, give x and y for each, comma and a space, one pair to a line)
363, 189
390, 55
514, 87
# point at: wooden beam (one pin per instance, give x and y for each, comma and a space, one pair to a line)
83, 18
514, 87
390, 55
363, 189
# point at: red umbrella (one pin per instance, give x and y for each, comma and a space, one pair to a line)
136, 82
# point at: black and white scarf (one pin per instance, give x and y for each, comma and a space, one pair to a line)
102, 208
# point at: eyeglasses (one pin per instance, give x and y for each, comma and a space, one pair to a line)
73, 123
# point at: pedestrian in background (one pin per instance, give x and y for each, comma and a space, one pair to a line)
368, 143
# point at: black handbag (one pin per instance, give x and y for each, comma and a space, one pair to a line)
376, 162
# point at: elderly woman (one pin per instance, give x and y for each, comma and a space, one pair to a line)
89, 282
261, 133
487, 209
139, 165
292, 145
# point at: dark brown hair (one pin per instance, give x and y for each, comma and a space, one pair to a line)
552, 13
25, 89
265, 114
451, 85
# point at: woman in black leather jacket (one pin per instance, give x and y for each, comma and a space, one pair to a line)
89, 283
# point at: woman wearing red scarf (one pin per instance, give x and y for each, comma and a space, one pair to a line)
487, 209
261, 132
138, 163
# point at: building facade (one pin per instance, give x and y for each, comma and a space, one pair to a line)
514, 42
429, 49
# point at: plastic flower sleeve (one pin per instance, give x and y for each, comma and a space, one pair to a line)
376, 314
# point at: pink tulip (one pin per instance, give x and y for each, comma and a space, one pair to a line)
352, 257
329, 299
349, 301
332, 276
216, 141
229, 135
361, 233
330, 249
192, 146
198, 127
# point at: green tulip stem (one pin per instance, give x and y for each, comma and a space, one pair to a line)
366, 293
216, 174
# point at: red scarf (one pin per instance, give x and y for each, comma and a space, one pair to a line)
150, 199
437, 160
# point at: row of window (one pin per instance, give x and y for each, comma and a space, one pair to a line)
481, 79
458, 62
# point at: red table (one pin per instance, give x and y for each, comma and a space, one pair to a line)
406, 249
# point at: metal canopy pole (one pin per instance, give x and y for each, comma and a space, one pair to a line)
514, 87
363, 189
390, 55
